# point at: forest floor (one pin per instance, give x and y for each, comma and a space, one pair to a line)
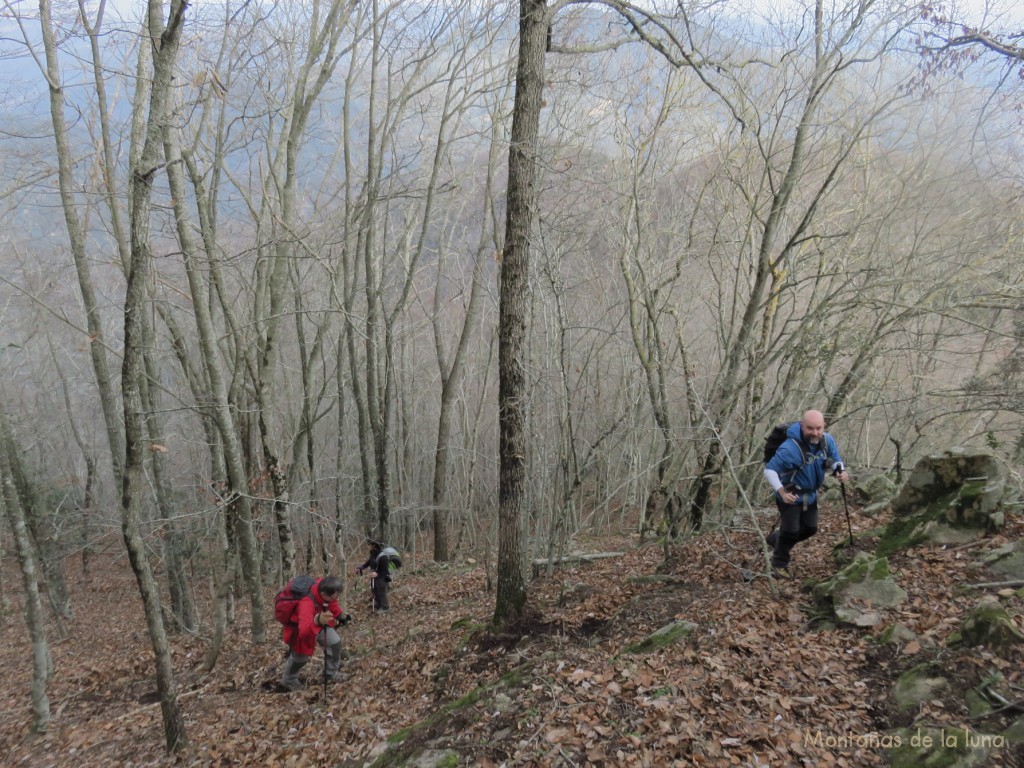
755, 684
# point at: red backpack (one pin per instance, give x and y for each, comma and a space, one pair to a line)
287, 600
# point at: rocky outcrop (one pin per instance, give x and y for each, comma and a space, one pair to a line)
950, 498
1007, 560
989, 624
916, 686
855, 594
873, 487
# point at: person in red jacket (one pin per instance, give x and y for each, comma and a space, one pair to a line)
314, 621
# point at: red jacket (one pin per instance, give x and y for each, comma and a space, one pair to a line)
300, 634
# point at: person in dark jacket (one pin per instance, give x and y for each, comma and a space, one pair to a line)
315, 621
381, 563
796, 472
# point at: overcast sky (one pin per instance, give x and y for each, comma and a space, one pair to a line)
996, 10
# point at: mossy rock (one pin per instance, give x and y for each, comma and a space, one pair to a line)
942, 748
916, 686
978, 504
435, 758
960, 488
945, 472
1015, 733
406, 747
876, 509
831, 495
663, 637
929, 525
854, 593
1007, 560
989, 624
470, 626
896, 634
874, 487
977, 705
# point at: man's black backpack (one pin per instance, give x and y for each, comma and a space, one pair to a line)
776, 438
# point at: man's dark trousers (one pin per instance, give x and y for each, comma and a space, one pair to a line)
797, 524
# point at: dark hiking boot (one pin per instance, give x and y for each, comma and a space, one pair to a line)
780, 572
290, 678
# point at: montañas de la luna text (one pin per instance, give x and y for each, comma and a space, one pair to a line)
953, 739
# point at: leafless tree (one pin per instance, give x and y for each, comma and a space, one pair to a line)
10, 507
164, 35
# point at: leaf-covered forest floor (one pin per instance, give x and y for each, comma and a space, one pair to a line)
755, 684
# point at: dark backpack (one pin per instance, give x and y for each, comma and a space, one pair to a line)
776, 438
387, 561
287, 600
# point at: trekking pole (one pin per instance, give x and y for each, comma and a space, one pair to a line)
836, 468
323, 632
846, 508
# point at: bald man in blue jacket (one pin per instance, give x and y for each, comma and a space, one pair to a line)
796, 473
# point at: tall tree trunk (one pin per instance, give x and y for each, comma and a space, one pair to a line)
164, 40
366, 465
315, 71
339, 457
41, 531
523, 199
175, 548
451, 376
90, 470
238, 506
376, 348
42, 665
77, 242
182, 604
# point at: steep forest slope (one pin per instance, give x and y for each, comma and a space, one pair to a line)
756, 681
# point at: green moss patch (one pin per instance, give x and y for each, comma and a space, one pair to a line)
410, 742
665, 636
916, 686
930, 524
988, 624
856, 592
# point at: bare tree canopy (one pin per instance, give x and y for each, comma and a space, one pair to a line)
480, 280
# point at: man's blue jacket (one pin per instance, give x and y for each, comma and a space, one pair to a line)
801, 464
